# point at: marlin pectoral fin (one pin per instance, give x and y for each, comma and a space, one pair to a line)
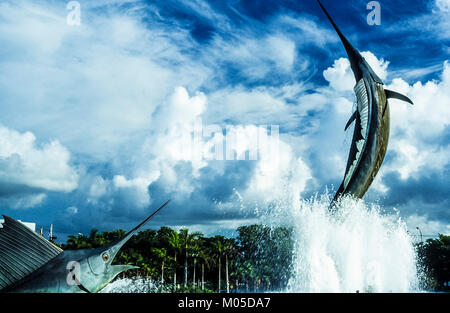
395, 95
352, 118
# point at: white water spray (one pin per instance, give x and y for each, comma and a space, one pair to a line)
356, 249
132, 285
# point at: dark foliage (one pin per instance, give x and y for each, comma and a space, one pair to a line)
258, 259
434, 256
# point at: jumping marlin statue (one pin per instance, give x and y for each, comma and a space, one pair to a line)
30, 263
371, 133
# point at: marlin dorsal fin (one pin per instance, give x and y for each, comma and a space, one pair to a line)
395, 95
22, 251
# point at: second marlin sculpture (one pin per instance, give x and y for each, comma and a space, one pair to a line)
30, 263
371, 133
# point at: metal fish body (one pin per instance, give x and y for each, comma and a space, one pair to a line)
30, 263
371, 132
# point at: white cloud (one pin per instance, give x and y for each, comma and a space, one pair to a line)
443, 5
203, 9
114, 90
165, 149
428, 227
134, 190
81, 83
255, 106
123, 101
308, 30
340, 75
181, 108
98, 188
45, 167
156, 157
72, 210
282, 51
22, 201
27, 23
278, 173
254, 57
416, 130
433, 23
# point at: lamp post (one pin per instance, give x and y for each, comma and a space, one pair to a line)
421, 239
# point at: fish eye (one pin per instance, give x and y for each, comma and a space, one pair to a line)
105, 257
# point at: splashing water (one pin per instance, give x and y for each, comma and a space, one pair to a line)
132, 285
355, 249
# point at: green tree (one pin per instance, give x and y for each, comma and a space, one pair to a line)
435, 257
206, 259
260, 247
73, 242
188, 240
228, 249
218, 253
195, 253
163, 256
176, 246
249, 258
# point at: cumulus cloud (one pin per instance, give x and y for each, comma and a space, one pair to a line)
278, 173
417, 131
341, 77
21, 199
154, 160
44, 167
124, 91
29, 170
443, 5
428, 227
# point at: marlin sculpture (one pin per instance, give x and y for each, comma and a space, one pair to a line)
371, 132
30, 263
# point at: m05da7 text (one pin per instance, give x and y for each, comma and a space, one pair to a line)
244, 302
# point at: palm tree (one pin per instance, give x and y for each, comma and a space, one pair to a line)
206, 258
187, 240
162, 254
73, 242
218, 246
195, 251
95, 239
175, 244
228, 249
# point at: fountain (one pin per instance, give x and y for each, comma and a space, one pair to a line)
357, 249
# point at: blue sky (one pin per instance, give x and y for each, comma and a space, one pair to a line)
87, 111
